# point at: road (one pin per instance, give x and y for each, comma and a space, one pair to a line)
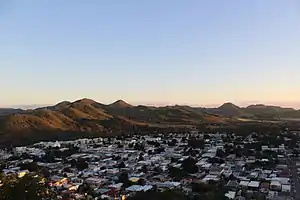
294, 179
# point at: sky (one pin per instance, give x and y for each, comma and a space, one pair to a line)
150, 52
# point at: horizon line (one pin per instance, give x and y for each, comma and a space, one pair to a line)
294, 105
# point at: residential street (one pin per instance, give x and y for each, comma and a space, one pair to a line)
294, 179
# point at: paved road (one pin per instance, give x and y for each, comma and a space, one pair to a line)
295, 180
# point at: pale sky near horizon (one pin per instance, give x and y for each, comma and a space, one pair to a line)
152, 51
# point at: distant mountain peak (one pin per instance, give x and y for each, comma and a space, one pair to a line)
120, 104
228, 105
85, 101
257, 106
55, 107
63, 103
229, 109
268, 109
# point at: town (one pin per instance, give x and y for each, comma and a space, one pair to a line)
197, 165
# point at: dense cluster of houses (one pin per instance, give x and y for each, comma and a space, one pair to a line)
115, 168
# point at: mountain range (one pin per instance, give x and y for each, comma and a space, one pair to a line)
8, 111
86, 116
258, 111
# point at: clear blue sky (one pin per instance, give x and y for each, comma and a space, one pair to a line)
150, 51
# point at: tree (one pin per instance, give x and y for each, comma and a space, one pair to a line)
49, 157
141, 158
144, 169
86, 189
45, 172
67, 170
122, 165
32, 166
159, 150
177, 174
167, 195
157, 144
189, 165
196, 143
173, 160
139, 147
173, 142
220, 153
80, 164
123, 178
31, 186
130, 145
141, 181
201, 187
116, 158
157, 169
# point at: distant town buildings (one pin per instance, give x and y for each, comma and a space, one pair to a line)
246, 167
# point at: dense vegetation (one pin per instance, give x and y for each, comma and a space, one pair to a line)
29, 187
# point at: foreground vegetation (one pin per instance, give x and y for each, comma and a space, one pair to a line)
28, 187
